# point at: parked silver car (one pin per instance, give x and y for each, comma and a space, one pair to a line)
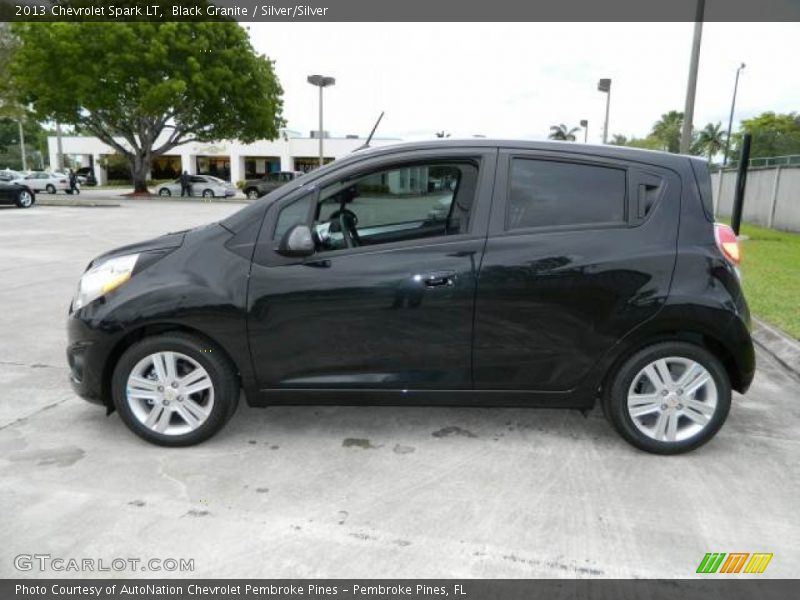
9, 175
206, 186
44, 181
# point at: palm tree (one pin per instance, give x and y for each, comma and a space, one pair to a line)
618, 140
711, 139
560, 132
668, 130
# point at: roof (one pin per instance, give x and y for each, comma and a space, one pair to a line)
598, 150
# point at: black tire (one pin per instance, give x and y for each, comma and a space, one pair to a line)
208, 193
25, 199
50, 188
164, 192
615, 399
252, 193
219, 368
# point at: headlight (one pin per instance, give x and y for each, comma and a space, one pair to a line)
103, 278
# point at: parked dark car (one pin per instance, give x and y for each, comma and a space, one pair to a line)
255, 188
16, 194
454, 273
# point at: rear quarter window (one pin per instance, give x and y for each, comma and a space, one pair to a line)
545, 193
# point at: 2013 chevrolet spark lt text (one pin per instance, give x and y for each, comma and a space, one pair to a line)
453, 273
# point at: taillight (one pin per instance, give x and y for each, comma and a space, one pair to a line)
727, 243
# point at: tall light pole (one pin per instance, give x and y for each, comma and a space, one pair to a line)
585, 125
730, 119
604, 85
691, 86
321, 82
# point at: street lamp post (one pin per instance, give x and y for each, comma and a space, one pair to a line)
730, 119
585, 125
321, 82
604, 85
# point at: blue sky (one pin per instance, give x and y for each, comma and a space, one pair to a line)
517, 79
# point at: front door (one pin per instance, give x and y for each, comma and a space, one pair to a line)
387, 300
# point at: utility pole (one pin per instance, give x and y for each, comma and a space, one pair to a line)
691, 87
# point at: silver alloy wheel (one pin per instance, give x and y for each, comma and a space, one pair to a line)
208, 194
25, 199
170, 393
164, 192
672, 399
252, 194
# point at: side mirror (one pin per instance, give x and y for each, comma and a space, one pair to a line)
297, 241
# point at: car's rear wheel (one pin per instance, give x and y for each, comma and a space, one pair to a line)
24, 199
669, 398
208, 193
164, 192
252, 193
175, 389
51, 189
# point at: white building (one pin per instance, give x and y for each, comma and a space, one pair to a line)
229, 160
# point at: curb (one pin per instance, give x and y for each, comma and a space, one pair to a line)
76, 203
780, 346
194, 199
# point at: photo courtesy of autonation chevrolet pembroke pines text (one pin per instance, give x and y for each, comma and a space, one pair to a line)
378, 300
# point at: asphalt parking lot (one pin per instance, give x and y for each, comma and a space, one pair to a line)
357, 492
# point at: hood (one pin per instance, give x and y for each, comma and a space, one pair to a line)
169, 241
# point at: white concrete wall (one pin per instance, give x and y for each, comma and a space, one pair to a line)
287, 148
771, 198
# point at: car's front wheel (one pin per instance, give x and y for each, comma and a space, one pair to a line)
175, 389
24, 199
669, 398
164, 192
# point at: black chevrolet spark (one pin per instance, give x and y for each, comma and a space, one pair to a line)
482, 272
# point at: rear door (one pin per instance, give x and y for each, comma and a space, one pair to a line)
581, 250
392, 308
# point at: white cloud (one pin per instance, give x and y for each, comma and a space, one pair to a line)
515, 80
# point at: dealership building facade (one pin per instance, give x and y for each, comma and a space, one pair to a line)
229, 160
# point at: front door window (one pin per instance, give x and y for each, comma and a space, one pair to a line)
411, 202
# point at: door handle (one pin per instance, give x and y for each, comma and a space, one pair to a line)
439, 279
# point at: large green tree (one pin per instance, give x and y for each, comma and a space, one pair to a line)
144, 88
774, 134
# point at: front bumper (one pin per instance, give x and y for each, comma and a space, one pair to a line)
88, 352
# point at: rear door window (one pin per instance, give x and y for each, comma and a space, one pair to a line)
548, 193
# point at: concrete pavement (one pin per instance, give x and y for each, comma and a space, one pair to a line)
357, 492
